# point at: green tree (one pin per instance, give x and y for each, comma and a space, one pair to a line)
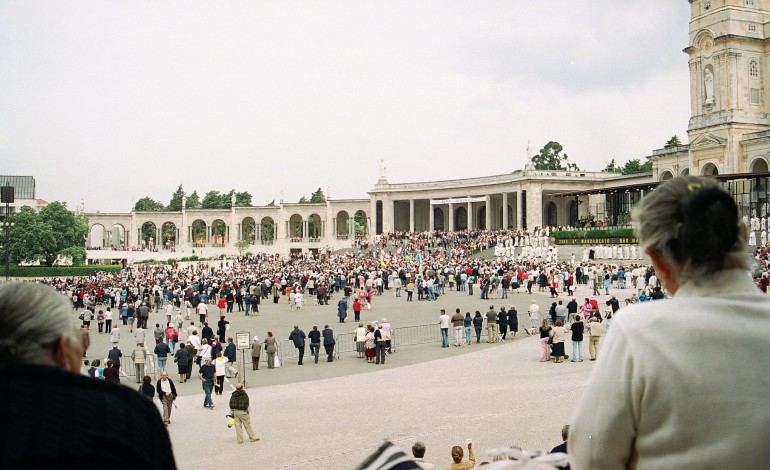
212, 200
243, 199
550, 158
241, 246
612, 167
193, 201
175, 204
267, 232
303, 200
673, 142
271, 203
360, 223
317, 197
69, 231
635, 166
148, 204
43, 236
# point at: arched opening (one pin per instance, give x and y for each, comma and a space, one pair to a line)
249, 230
573, 214
361, 224
148, 235
685, 172
116, 236
666, 175
218, 233
759, 166
314, 228
551, 214
168, 236
481, 217
198, 233
97, 236
438, 219
461, 218
709, 169
267, 230
295, 226
343, 224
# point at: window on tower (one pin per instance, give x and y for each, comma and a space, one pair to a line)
752, 28
753, 69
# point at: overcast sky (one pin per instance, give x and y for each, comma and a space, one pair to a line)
110, 101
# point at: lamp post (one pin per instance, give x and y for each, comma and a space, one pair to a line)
7, 194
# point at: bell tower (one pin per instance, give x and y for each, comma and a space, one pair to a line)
729, 100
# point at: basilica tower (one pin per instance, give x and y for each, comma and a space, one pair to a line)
729, 130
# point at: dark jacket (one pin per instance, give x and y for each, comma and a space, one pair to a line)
114, 355
298, 337
207, 333
79, 411
111, 374
181, 357
162, 350
147, 390
239, 400
314, 336
161, 393
230, 352
513, 318
328, 334
478, 321
578, 328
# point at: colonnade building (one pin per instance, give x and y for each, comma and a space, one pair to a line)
522, 199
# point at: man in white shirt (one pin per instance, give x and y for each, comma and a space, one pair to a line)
443, 321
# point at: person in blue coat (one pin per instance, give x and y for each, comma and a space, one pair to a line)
342, 309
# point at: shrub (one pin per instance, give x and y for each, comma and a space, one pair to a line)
61, 271
594, 233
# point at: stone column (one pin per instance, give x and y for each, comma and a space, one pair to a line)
182, 241
519, 220
535, 206
451, 214
488, 212
505, 211
470, 216
411, 215
431, 222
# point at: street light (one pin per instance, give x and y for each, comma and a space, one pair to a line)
7, 196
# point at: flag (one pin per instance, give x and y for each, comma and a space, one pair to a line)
388, 457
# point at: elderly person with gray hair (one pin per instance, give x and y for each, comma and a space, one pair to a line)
49, 401
676, 385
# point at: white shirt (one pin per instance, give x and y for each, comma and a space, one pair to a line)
444, 321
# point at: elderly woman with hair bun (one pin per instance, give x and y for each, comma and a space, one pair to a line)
677, 384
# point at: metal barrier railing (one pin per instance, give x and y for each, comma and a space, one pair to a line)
345, 343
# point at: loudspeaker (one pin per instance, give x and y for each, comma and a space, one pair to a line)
7, 194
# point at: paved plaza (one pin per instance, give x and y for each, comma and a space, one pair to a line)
331, 415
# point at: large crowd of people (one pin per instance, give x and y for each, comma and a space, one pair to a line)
696, 259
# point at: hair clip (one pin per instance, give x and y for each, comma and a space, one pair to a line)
693, 186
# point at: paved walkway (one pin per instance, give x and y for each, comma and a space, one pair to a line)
332, 415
